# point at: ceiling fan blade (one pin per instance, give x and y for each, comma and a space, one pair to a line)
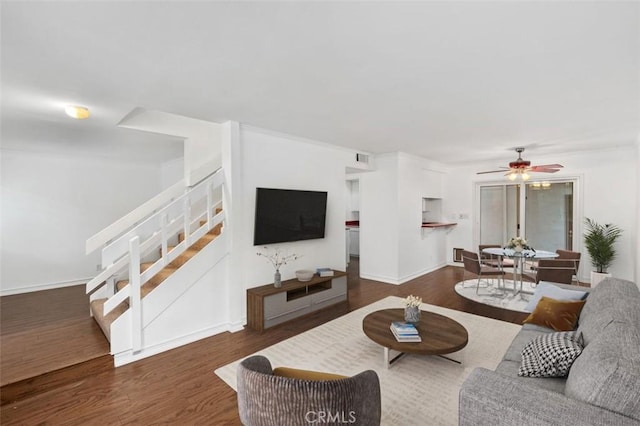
492, 171
549, 166
540, 169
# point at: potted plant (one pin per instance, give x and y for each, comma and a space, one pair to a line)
599, 240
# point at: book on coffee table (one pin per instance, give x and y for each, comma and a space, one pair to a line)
412, 337
404, 328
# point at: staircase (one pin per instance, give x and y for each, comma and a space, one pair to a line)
159, 270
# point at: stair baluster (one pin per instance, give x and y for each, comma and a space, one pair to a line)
134, 297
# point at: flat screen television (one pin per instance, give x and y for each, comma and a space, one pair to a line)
284, 215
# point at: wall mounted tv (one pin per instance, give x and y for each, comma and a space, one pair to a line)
284, 215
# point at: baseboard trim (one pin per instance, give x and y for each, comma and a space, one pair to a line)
421, 273
128, 357
380, 278
236, 326
40, 287
401, 280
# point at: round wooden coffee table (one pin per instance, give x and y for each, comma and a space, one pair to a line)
440, 335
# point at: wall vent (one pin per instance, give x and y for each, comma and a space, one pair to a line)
457, 254
362, 158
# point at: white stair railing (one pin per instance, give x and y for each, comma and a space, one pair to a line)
193, 213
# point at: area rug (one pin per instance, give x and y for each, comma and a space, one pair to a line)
416, 390
489, 294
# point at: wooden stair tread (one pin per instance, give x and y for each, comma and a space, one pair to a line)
105, 321
154, 281
183, 258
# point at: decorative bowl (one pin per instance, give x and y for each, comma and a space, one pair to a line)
304, 275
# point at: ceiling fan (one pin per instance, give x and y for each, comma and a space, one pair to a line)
522, 168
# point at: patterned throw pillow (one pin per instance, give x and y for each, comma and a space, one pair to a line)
551, 354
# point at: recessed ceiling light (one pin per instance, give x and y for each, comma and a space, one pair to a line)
77, 112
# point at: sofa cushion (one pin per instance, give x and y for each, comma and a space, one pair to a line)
294, 373
510, 369
607, 373
559, 315
612, 300
554, 292
524, 336
550, 355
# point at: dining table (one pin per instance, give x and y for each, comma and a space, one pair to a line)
519, 257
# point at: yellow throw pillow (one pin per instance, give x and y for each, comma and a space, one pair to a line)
294, 373
560, 315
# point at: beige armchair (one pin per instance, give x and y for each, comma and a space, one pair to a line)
266, 399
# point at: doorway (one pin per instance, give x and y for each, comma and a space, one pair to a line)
540, 211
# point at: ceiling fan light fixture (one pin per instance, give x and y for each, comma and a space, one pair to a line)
522, 168
77, 112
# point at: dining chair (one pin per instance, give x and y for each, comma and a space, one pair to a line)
493, 260
570, 255
555, 270
573, 256
472, 265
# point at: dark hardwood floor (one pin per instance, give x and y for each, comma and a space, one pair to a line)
179, 386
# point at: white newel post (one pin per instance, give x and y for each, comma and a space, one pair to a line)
136, 305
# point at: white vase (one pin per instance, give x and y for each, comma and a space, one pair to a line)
596, 277
518, 249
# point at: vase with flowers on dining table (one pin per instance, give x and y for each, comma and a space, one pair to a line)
518, 244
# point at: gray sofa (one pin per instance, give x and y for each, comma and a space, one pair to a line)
603, 384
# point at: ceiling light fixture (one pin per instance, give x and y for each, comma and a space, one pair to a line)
540, 185
515, 173
77, 112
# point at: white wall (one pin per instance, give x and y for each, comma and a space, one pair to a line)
171, 172
637, 234
279, 161
607, 193
379, 233
393, 246
50, 206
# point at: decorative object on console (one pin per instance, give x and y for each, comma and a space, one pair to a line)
412, 309
559, 315
304, 275
600, 240
325, 272
277, 259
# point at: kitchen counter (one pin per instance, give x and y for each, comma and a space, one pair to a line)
437, 224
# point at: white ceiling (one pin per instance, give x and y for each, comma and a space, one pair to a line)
450, 81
